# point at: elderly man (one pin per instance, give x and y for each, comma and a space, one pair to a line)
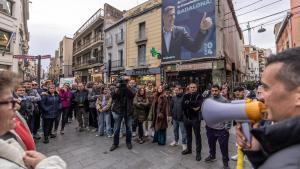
277, 146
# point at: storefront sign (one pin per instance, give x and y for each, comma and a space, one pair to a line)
194, 66
144, 71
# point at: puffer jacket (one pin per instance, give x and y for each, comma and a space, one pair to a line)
51, 106
280, 145
139, 106
11, 157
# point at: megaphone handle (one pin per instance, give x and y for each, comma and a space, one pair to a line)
246, 131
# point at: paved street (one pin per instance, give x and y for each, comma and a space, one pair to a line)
85, 151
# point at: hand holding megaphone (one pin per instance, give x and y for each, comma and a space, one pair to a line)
215, 112
243, 142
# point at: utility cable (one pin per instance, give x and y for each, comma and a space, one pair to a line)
243, 7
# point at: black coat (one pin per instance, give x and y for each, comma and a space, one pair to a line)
176, 107
181, 38
280, 145
192, 101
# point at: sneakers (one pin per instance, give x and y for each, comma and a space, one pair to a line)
129, 146
234, 158
52, 135
174, 143
62, 132
133, 134
109, 135
184, 147
113, 147
210, 159
100, 134
37, 136
46, 141
186, 151
146, 134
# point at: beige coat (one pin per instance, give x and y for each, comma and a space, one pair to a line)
11, 157
108, 101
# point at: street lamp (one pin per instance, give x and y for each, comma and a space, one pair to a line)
261, 30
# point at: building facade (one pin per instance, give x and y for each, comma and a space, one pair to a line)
54, 67
287, 32
227, 65
14, 35
143, 21
66, 57
115, 50
88, 49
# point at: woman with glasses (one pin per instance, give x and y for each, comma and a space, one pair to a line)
12, 154
51, 110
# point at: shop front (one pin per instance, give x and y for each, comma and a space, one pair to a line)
184, 74
144, 75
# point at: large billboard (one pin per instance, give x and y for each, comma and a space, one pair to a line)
188, 29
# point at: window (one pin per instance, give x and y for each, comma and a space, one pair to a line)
6, 7
142, 55
121, 58
4, 39
121, 33
142, 30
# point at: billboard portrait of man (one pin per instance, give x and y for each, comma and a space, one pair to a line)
175, 38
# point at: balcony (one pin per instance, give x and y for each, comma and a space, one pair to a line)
117, 64
141, 37
87, 44
108, 42
90, 21
90, 63
119, 38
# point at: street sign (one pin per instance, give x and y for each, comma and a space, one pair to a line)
31, 57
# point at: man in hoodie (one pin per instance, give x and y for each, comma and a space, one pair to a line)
192, 102
177, 117
277, 146
218, 132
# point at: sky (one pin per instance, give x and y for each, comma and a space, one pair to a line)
51, 20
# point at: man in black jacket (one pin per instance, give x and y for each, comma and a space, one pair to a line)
192, 102
277, 146
81, 107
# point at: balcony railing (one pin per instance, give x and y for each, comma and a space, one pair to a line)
116, 64
88, 43
91, 20
141, 36
108, 42
120, 38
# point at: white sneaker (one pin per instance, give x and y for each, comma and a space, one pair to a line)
234, 158
174, 143
146, 134
109, 136
133, 134
184, 147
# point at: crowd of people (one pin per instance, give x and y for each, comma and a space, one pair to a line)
141, 111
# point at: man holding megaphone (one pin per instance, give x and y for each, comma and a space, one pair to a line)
275, 146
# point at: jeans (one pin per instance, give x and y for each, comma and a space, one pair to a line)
128, 124
82, 117
104, 118
176, 126
93, 120
222, 136
65, 113
47, 127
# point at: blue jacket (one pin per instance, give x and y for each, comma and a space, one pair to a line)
51, 106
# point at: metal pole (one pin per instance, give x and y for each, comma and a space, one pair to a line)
39, 71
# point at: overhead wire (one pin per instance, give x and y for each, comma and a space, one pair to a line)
246, 6
257, 19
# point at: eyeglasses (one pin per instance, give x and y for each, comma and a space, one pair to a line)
12, 102
34, 84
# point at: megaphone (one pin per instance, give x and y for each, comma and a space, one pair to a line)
215, 112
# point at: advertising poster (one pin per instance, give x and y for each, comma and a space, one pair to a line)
188, 29
69, 80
